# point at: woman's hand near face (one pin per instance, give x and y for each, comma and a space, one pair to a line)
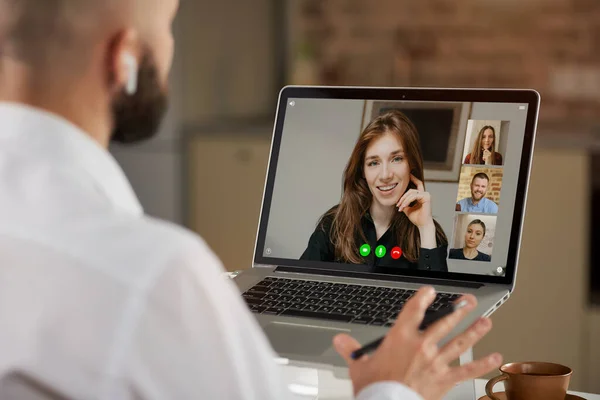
487, 155
419, 214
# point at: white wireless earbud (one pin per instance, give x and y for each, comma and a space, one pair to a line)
132, 72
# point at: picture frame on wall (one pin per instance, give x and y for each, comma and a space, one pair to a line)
441, 128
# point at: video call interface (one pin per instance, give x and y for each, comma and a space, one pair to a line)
397, 185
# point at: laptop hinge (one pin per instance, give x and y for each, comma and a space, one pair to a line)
380, 277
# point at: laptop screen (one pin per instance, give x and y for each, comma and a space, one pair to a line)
408, 187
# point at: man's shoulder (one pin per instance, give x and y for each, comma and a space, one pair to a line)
130, 249
490, 203
168, 237
464, 202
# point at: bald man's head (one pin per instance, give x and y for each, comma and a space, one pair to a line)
105, 44
36, 32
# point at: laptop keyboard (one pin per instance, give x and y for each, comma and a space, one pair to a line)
358, 304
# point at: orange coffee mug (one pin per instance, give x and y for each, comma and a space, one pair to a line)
532, 380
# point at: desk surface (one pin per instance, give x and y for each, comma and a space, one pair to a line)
316, 384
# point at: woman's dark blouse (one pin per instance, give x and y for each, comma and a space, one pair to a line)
459, 255
320, 248
497, 159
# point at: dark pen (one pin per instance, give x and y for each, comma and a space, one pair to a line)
428, 320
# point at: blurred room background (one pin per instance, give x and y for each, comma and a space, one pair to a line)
207, 167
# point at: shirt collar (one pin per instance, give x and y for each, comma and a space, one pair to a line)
480, 203
47, 136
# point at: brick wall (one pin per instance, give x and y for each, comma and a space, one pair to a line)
550, 45
494, 187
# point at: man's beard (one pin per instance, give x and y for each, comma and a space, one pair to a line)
138, 117
477, 196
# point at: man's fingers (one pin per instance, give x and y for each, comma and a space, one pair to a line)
345, 345
443, 327
413, 312
466, 340
474, 369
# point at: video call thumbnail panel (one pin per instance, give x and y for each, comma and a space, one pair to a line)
486, 142
479, 189
473, 237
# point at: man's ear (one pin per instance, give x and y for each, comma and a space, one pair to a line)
123, 62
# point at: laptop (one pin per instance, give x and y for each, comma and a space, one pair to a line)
372, 193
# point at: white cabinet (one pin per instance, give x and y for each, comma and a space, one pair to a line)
226, 176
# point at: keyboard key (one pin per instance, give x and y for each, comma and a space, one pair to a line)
353, 311
252, 301
368, 314
311, 307
257, 309
259, 288
272, 311
368, 306
318, 315
326, 309
362, 320
325, 284
378, 322
383, 307
340, 310
387, 302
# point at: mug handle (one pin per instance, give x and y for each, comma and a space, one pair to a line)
491, 383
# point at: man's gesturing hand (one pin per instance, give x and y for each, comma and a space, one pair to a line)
413, 357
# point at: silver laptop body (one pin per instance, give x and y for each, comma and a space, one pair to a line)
315, 130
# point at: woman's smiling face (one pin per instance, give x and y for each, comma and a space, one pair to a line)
386, 169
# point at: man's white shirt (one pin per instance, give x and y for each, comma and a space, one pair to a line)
98, 300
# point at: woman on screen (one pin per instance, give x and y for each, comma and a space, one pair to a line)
384, 216
483, 151
473, 237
